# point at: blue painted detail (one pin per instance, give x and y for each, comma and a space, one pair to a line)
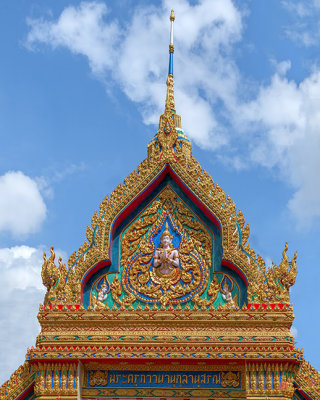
165, 379
29, 396
60, 380
170, 63
272, 380
115, 267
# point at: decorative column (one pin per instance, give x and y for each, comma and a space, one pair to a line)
270, 381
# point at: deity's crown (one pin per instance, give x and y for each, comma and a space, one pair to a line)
104, 284
226, 285
166, 232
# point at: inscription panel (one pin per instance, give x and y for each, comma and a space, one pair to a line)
165, 379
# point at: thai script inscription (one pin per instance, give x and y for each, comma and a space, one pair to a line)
165, 379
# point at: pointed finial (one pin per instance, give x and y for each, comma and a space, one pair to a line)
171, 45
163, 145
169, 105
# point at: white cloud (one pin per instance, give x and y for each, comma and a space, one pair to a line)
288, 115
303, 28
281, 67
129, 55
294, 331
22, 209
21, 292
277, 125
83, 31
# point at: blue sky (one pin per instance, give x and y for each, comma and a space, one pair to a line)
82, 86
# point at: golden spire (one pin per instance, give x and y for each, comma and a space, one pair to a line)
169, 109
164, 143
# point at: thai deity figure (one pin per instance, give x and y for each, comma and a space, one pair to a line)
166, 259
97, 302
227, 295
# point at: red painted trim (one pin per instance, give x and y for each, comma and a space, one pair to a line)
230, 265
256, 306
137, 200
302, 392
24, 394
60, 306
90, 272
194, 198
134, 203
182, 362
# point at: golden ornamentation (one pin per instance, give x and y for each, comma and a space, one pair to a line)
53, 378
233, 229
308, 379
146, 276
273, 285
61, 283
255, 340
230, 379
98, 378
19, 381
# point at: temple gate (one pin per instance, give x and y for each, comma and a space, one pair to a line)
165, 299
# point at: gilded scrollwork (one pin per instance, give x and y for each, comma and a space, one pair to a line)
165, 274
308, 379
170, 151
230, 379
98, 378
61, 282
272, 285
